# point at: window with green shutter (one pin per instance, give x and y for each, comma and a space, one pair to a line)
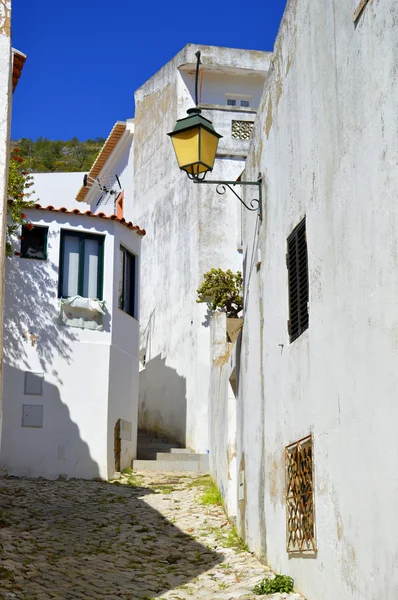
81, 265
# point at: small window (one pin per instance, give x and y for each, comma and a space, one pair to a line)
297, 264
34, 242
231, 102
245, 103
127, 282
300, 513
81, 265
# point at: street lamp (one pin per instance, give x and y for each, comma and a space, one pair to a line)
195, 144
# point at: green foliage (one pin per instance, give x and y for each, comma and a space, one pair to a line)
57, 156
280, 584
211, 494
19, 192
222, 290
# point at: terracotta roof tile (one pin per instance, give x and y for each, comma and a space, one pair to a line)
17, 65
117, 131
88, 213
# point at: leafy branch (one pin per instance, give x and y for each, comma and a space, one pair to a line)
222, 290
19, 192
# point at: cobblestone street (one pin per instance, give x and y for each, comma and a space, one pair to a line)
144, 536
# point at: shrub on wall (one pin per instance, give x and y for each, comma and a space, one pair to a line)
222, 290
19, 184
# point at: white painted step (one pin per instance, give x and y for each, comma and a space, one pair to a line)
194, 466
181, 451
187, 456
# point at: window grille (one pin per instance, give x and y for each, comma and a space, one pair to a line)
242, 130
297, 264
300, 514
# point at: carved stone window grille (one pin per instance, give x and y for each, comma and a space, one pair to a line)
300, 513
242, 130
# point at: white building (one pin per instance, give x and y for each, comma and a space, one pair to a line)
11, 65
71, 368
316, 397
190, 229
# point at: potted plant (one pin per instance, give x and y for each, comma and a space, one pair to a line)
222, 291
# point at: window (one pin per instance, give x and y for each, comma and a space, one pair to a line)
243, 102
300, 514
81, 265
34, 242
297, 264
127, 282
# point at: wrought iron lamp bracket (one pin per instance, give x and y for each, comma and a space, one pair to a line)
256, 204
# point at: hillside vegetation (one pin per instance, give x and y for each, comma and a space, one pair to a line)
57, 156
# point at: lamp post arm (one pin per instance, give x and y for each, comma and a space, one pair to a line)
197, 54
256, 204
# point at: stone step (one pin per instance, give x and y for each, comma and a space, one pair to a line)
157, 445
181, 451
186, 456
152, 440
193, 466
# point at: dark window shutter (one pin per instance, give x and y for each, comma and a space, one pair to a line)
297, 264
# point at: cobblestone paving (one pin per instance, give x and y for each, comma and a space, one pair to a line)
146, 536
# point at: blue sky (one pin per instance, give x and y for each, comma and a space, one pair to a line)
85, 59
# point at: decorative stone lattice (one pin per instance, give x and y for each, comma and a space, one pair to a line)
242, 130
300, 525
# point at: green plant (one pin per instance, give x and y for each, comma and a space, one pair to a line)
280, 584
19, 184
222, 290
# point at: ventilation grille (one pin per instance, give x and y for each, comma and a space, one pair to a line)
300, 514
297, 264
242, 130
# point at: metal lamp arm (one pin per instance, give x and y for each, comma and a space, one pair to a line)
256, 204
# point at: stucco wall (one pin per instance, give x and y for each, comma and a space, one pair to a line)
83, 396
5, 119
190, 229
325, 141
58, 189
222, 413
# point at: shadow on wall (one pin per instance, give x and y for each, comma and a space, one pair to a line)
131, 549
162, 405
51, 445
31, 314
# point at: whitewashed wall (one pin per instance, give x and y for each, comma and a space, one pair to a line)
90, 377
325, 140
58, 189
222, 413
5, 119
190, 229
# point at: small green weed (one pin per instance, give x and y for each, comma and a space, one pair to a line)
280, 584
6, 574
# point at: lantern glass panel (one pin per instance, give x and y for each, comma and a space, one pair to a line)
208, 148
186, 146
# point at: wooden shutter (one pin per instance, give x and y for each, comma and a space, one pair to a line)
297, 264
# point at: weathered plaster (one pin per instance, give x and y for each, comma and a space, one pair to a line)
190, 229
5, 120
325, 142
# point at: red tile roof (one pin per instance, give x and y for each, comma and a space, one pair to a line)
18, 62
118, 129
88, 213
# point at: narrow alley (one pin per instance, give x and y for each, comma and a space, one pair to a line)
147, 535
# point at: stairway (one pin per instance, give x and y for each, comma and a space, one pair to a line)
159, 454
